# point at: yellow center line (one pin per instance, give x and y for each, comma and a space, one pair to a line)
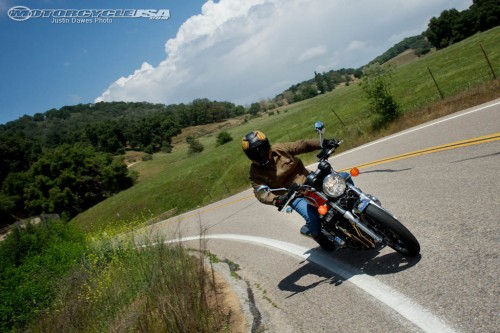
435, 149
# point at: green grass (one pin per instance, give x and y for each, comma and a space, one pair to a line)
177, 181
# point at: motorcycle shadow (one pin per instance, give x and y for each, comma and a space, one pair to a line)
358, 262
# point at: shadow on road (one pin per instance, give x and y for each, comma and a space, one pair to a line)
387, 170
358, 262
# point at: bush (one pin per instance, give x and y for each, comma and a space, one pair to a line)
166, 147
147, 157
223, 138
195, 146
149, 149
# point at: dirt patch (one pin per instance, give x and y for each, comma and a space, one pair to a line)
403, 58
133, 157
235, 299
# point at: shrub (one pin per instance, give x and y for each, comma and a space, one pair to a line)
195, 146
223, 138
149, 149
376, 84
147, 157
166, 147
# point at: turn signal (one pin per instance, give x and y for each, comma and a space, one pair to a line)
354, 172
322, 210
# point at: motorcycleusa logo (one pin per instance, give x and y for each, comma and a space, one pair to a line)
23, 13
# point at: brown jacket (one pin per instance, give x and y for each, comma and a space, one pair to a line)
284, 168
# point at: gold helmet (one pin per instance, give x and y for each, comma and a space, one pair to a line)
256, 146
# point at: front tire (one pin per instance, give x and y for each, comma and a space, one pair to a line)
394, 233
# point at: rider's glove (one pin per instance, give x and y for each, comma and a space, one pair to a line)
329, 144
280, 201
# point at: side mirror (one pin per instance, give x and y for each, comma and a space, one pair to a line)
319, 127
262, 192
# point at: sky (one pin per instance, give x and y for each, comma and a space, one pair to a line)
240, 51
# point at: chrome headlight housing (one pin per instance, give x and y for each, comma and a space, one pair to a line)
334, 185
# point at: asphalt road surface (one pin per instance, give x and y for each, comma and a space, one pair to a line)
441, 179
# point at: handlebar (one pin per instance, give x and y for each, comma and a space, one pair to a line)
326, 151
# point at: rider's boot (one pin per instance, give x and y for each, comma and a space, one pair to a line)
305, 231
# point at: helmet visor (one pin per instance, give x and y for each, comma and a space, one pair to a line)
262, 154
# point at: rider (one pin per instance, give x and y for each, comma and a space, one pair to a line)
278, 166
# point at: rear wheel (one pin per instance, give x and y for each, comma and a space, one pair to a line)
395, 234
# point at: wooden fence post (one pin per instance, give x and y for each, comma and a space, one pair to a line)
433, 79
488, 61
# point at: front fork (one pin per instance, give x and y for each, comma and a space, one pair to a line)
359, 208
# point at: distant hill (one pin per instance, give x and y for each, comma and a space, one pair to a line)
419, 44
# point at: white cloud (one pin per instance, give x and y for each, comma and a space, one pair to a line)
312, 53
243, 51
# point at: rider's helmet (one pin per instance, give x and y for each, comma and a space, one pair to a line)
256, 146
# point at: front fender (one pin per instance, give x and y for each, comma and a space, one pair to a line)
362, 203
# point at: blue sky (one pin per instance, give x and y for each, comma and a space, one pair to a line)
236, 50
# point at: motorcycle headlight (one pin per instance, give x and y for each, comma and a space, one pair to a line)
334, 185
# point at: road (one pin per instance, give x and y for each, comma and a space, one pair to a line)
447, 196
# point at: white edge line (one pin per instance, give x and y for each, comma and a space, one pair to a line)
400, 303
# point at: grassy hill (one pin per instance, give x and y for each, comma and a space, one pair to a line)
181, 182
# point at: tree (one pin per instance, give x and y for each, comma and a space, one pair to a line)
254, 109
320, 82
70, 179
441, 31
486, 13
453, 26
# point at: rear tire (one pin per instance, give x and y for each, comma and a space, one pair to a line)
395, 234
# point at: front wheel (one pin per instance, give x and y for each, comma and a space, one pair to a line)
395, 234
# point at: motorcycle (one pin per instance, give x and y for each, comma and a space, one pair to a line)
349, 217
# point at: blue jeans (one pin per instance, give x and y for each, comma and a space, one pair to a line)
310, 213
